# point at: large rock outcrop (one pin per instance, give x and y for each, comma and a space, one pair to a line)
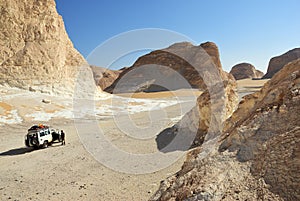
205, 120
245, 71
35, 50
277, 63
171, 68
257, 156
104, 77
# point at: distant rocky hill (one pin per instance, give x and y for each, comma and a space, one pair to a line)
104, 77
163, 67
257, 156
245, 71
35, 50
277, 63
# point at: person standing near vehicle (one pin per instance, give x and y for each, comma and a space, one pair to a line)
63, 137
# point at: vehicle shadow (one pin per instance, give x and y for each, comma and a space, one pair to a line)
17, 151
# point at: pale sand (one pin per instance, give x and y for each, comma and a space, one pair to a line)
251, 85
163, 94
70, 172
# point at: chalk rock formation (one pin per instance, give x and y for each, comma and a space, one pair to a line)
35, 50
181, 65
277, 63
257, 155
245, 71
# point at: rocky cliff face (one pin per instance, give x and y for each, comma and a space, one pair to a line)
164, 69
35, 51
257, 157
277, 63
245, 71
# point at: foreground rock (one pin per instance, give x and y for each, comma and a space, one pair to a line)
245, 71
169, 69
277, 63
35, 50
257, 156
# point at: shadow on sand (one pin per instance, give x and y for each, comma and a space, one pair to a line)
174, 139
17, 151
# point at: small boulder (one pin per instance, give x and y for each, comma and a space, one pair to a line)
46, 101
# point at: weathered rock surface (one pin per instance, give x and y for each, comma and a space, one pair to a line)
104, 77
171, 68
277, 63
35, 50
257, 157
245, 71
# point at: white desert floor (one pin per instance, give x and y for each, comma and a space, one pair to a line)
70, 172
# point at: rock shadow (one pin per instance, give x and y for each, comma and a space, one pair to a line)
174, 139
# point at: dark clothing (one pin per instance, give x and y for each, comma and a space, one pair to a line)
63, 138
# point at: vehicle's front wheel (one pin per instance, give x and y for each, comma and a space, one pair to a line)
45, 144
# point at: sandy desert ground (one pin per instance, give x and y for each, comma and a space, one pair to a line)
70, 172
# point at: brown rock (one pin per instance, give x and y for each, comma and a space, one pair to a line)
259, 158
35, 50
104, 77
245, 71
169, 69
277, 63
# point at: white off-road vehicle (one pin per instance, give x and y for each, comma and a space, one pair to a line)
40, 136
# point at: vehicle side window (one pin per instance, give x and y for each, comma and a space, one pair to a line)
42, 133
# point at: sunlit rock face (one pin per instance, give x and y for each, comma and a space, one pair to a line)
35, 50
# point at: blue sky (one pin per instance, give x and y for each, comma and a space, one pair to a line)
245, 31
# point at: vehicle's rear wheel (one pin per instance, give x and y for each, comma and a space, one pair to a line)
34, 142
27, 143
45, 144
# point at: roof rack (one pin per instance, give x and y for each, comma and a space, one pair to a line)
37, 127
